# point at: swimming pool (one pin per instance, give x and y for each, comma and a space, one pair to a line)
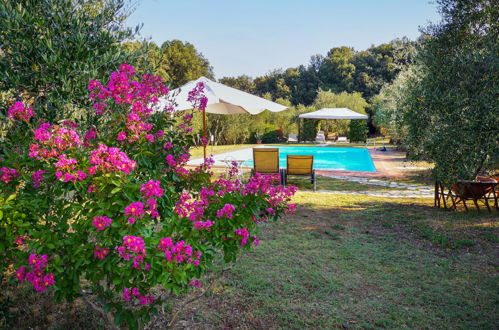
329, 158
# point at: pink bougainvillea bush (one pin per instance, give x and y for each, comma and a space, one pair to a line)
112, 202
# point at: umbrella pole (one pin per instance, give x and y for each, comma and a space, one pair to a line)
204, 134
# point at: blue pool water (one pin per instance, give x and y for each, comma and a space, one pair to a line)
329, 158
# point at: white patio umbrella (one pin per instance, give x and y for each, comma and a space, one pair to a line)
222, 99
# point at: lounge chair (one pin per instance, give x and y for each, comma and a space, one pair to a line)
320, 137
292, 138
266, 161
342, 139
302, 165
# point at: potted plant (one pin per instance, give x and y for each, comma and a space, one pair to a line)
258, 137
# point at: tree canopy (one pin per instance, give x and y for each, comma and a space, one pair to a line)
175, 61
50, 50
449, 104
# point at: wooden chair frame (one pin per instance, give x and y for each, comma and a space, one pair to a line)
466, 190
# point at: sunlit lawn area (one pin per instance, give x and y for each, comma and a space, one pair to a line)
344, 261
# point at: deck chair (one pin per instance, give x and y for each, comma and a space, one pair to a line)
292, 138
266, 161
302, 165
320, 137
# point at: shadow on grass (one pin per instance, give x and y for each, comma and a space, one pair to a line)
364, 264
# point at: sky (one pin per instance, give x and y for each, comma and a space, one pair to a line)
254, 37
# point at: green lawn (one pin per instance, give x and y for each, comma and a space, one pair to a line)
365, 263
341, 261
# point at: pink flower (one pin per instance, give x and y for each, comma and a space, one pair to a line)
126, 294
179, 252
7, 174
244, 234
135, 209
100, 253
170, 160
196, 283
151, 189
90, 135
37, 178
92, 188
19, 112
109, 159
168, 145
101, 222
199, 225
121, 136
20, 275
226, 211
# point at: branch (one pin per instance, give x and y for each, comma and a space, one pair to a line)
106, 316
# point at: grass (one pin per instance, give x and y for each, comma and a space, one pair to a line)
362, 262
346, 261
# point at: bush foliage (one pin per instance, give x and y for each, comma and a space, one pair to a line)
117, 207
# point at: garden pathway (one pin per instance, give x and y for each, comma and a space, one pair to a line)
406, 189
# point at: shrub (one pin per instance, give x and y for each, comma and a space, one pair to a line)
117, 207
357, 130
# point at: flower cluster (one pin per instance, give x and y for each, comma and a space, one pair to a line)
36, 276
244, 234
140, 95
197, 98
134, 292
179, 252
52, 141
90, 135
133, 247
100, 253
226, 211
20, 112
187, 207
65, 169
199, 225
101, 222
151, 189
196, 283
37, 178
109, 159
7, 174
134, 210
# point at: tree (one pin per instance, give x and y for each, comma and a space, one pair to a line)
390, 106
453, 118
149, 58
336, 71
51, 49
183, 63
243, 82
